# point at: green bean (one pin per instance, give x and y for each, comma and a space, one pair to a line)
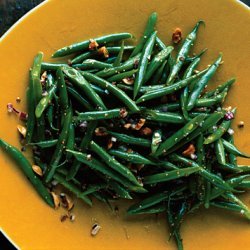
114, 164
149, 202
213, 178
226, 205
93, 188
157, 61
128, 65
170, 175
208, 102
220, 131
37, 92
70, 141
85, 44
158, 74
99, 115
169, 89
120, 190
200, 152
121, 76
179, 135
165, 117
44, 144
202, 82
231, 157
143, 89
118, 60
53, 66
131, 140
147, 33
133, 157
30, 125
220, 88
175, 106
245, 210
157, 209
50, 116
79, 98
100, 167
244, 184
143, 63
183, 53
91, 54
220, 152
191, 59
156, 140
93, 64
26, 168
59, 147
114, 90
160, 43
80, 82
72, 188
209, 122
44, 102
83, 147
230, 148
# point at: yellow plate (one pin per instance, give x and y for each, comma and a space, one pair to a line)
24, 217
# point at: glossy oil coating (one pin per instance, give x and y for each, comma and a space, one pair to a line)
33, 225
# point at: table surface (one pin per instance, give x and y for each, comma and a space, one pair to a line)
10, 12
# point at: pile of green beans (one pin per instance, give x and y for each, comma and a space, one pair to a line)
136, 123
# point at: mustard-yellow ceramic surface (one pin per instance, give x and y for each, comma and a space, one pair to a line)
24, 217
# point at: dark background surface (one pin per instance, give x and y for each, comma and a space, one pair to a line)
10, 12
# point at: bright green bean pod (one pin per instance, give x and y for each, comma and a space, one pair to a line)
147, 33
30, 125
45, 101
143, 89
158, 74
120, 190
245, 210
70, 141
202, 82
143, 63
157, 62
160, 44
93, 64
165, 117
131, 140
60, 147
175, 106
230, 148
26, 167
80, 99
209, 122
114, 164
227, 205
220, 131
44, 144
182, 54
133, 157
244, 184
213, 178
63, 94
107, 171
72, 188
231, 157
90, 54
128, 65
93, 188
77, 47
168, 89
220, 88
53, 66
50, 115
148, 202
170, 175
156, 209
118, 60
114, 90
180, 134
220, 152
100, 115
156, 140
121, 76
81, 83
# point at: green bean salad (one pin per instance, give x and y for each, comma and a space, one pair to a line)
116, 121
